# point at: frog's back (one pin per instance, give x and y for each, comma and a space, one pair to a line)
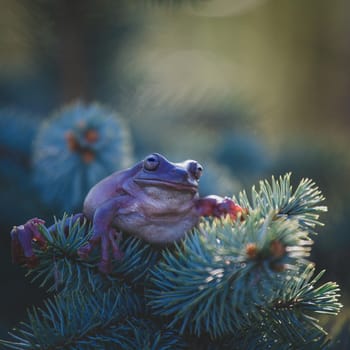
107, 188
100, 193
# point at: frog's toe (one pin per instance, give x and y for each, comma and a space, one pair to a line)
118, 254
85, 251
22, 238
114, 239
228, 207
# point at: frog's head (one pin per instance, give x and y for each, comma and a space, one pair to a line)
157, 171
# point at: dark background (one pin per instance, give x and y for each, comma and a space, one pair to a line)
248, 88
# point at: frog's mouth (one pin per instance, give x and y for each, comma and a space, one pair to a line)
179, 186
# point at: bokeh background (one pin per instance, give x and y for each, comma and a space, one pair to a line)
250, 88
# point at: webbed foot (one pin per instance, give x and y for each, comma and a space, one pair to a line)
22, 238
220, 206
227, 206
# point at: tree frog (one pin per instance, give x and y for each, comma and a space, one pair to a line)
155, 200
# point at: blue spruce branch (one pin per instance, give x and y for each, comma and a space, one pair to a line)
61, 269
76, 321
303, 204
74, 149
228, 285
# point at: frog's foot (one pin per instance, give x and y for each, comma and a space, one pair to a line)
22, 238
220, 206
115, 238
108, 240
227, 206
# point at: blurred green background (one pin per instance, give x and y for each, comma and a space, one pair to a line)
250, 88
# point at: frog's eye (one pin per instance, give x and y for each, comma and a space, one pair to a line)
198, 172
151, 162
196, 169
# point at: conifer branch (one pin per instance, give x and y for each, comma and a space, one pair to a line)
228, 285
302, 205
220, 282
76, 321
60, 268
291, 316
103, 320
60, 265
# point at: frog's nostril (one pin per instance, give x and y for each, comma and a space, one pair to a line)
199, 171
196, 170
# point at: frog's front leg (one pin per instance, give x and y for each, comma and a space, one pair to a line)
22, 238
219, 206
105, 234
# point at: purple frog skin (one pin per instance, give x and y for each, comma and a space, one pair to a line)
155, 200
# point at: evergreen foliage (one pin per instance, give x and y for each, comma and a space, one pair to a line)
228, 285
74, 149
66, 153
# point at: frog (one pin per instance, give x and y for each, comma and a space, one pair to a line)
155, 200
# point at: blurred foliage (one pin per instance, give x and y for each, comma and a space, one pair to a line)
74, 149
245, 155
248, 88
18, 129
227, 285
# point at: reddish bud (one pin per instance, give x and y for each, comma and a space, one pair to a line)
72, 142
88, 156
251, 250
278, 267
91, 135
277, 249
